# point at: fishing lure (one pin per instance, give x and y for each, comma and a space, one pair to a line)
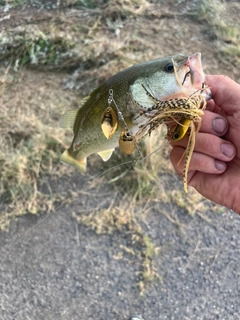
186, 112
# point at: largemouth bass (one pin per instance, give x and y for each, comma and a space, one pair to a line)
114, 113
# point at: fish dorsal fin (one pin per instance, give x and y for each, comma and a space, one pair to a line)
106, 154
67, 119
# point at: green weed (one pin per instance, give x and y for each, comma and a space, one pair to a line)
90, 4
30, 46
206, 10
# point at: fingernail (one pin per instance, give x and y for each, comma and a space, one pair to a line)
219, 125
221, 166
227, 149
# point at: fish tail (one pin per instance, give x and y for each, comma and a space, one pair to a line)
68, 159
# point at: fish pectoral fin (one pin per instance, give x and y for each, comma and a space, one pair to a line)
106, 154
68, 159
67, 119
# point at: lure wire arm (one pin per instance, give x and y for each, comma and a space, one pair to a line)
120, 116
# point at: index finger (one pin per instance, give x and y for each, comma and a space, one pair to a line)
225, 92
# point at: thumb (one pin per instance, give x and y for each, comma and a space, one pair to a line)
225, 92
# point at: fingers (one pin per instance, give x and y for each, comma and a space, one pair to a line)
213, 123
199, 162
210, 145
225, 92
211, 154
211, 106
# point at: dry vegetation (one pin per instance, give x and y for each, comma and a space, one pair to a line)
50, 60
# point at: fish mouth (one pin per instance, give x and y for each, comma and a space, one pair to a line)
194, 77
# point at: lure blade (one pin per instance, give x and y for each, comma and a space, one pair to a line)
127, 142
109, 122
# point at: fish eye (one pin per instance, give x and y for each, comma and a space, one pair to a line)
169, 68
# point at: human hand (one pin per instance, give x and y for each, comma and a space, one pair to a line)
215, 165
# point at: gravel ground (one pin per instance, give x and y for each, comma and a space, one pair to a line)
62, 270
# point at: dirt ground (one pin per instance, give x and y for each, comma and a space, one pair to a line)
62, 270
54, 264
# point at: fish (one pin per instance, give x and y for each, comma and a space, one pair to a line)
116, 114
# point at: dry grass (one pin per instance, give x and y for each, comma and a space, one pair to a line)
121, 215
31, 141
29, 149
212, 15
206, 11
